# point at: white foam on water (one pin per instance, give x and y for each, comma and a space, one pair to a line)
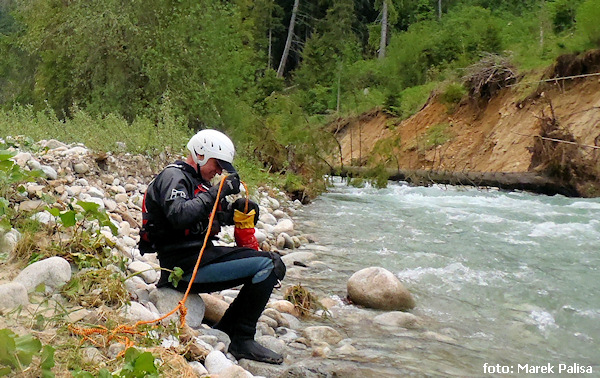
543, 320
561, 230
584, 205
455, 274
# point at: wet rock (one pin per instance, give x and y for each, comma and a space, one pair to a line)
378, 288
317, 334
283, 306
302, 257
398, 319
53, 272
13, 294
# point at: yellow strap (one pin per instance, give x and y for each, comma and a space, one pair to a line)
242, 220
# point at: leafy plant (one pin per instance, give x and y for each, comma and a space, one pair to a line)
11, 178
137, 364
437, 135
96, 287
18, 352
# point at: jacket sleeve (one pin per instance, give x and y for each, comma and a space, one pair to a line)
181, 208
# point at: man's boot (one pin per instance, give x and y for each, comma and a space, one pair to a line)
239, 322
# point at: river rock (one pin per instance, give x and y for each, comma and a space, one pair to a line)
81, 168
167, 299
31, 205
378, 288
9, 241
318, 334
283, 306
273, 343
121, 198
49, 172
284, 225
53, 272
13, 294
198, 368
302, 257
398, 319
216, 362
215, 307
146, 271
136, 312
267, 218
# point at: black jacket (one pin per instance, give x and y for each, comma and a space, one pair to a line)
176, 211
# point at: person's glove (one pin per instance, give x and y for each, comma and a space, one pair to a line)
244, 222
240, 205
230, 186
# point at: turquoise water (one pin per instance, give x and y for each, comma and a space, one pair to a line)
506, 279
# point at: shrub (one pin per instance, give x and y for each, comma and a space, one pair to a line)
588, 15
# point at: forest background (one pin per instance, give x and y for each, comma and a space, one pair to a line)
142, 76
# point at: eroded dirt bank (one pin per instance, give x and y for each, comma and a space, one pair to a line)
493, 136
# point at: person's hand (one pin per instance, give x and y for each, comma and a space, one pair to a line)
240, 204
230, 186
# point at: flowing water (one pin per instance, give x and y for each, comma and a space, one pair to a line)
504, 282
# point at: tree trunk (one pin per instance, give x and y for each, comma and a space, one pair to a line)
270, 47
384, 22
288, 42
439, 9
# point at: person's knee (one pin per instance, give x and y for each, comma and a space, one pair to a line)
278, 266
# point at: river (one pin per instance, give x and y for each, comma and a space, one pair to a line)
504, 281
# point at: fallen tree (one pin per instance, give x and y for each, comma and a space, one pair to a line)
527, 181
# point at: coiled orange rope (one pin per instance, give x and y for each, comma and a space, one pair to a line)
117, 332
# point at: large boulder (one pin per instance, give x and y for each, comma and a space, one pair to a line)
167, 299
53, 272
378, 288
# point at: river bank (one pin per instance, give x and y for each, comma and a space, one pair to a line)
545, 127
68, 290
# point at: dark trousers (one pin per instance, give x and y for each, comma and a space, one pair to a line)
255, 270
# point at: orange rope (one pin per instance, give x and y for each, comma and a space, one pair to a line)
132, 330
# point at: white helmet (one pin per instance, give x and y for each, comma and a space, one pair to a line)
212, 144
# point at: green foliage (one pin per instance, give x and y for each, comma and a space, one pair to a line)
136, 364
437, 135
453, 93
11, 178
96, 287
377, 176
175, 276
386, 150
18, 352
562, 13
588, 15
101, 133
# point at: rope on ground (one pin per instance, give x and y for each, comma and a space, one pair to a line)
555, 79
558, 140
117, 332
